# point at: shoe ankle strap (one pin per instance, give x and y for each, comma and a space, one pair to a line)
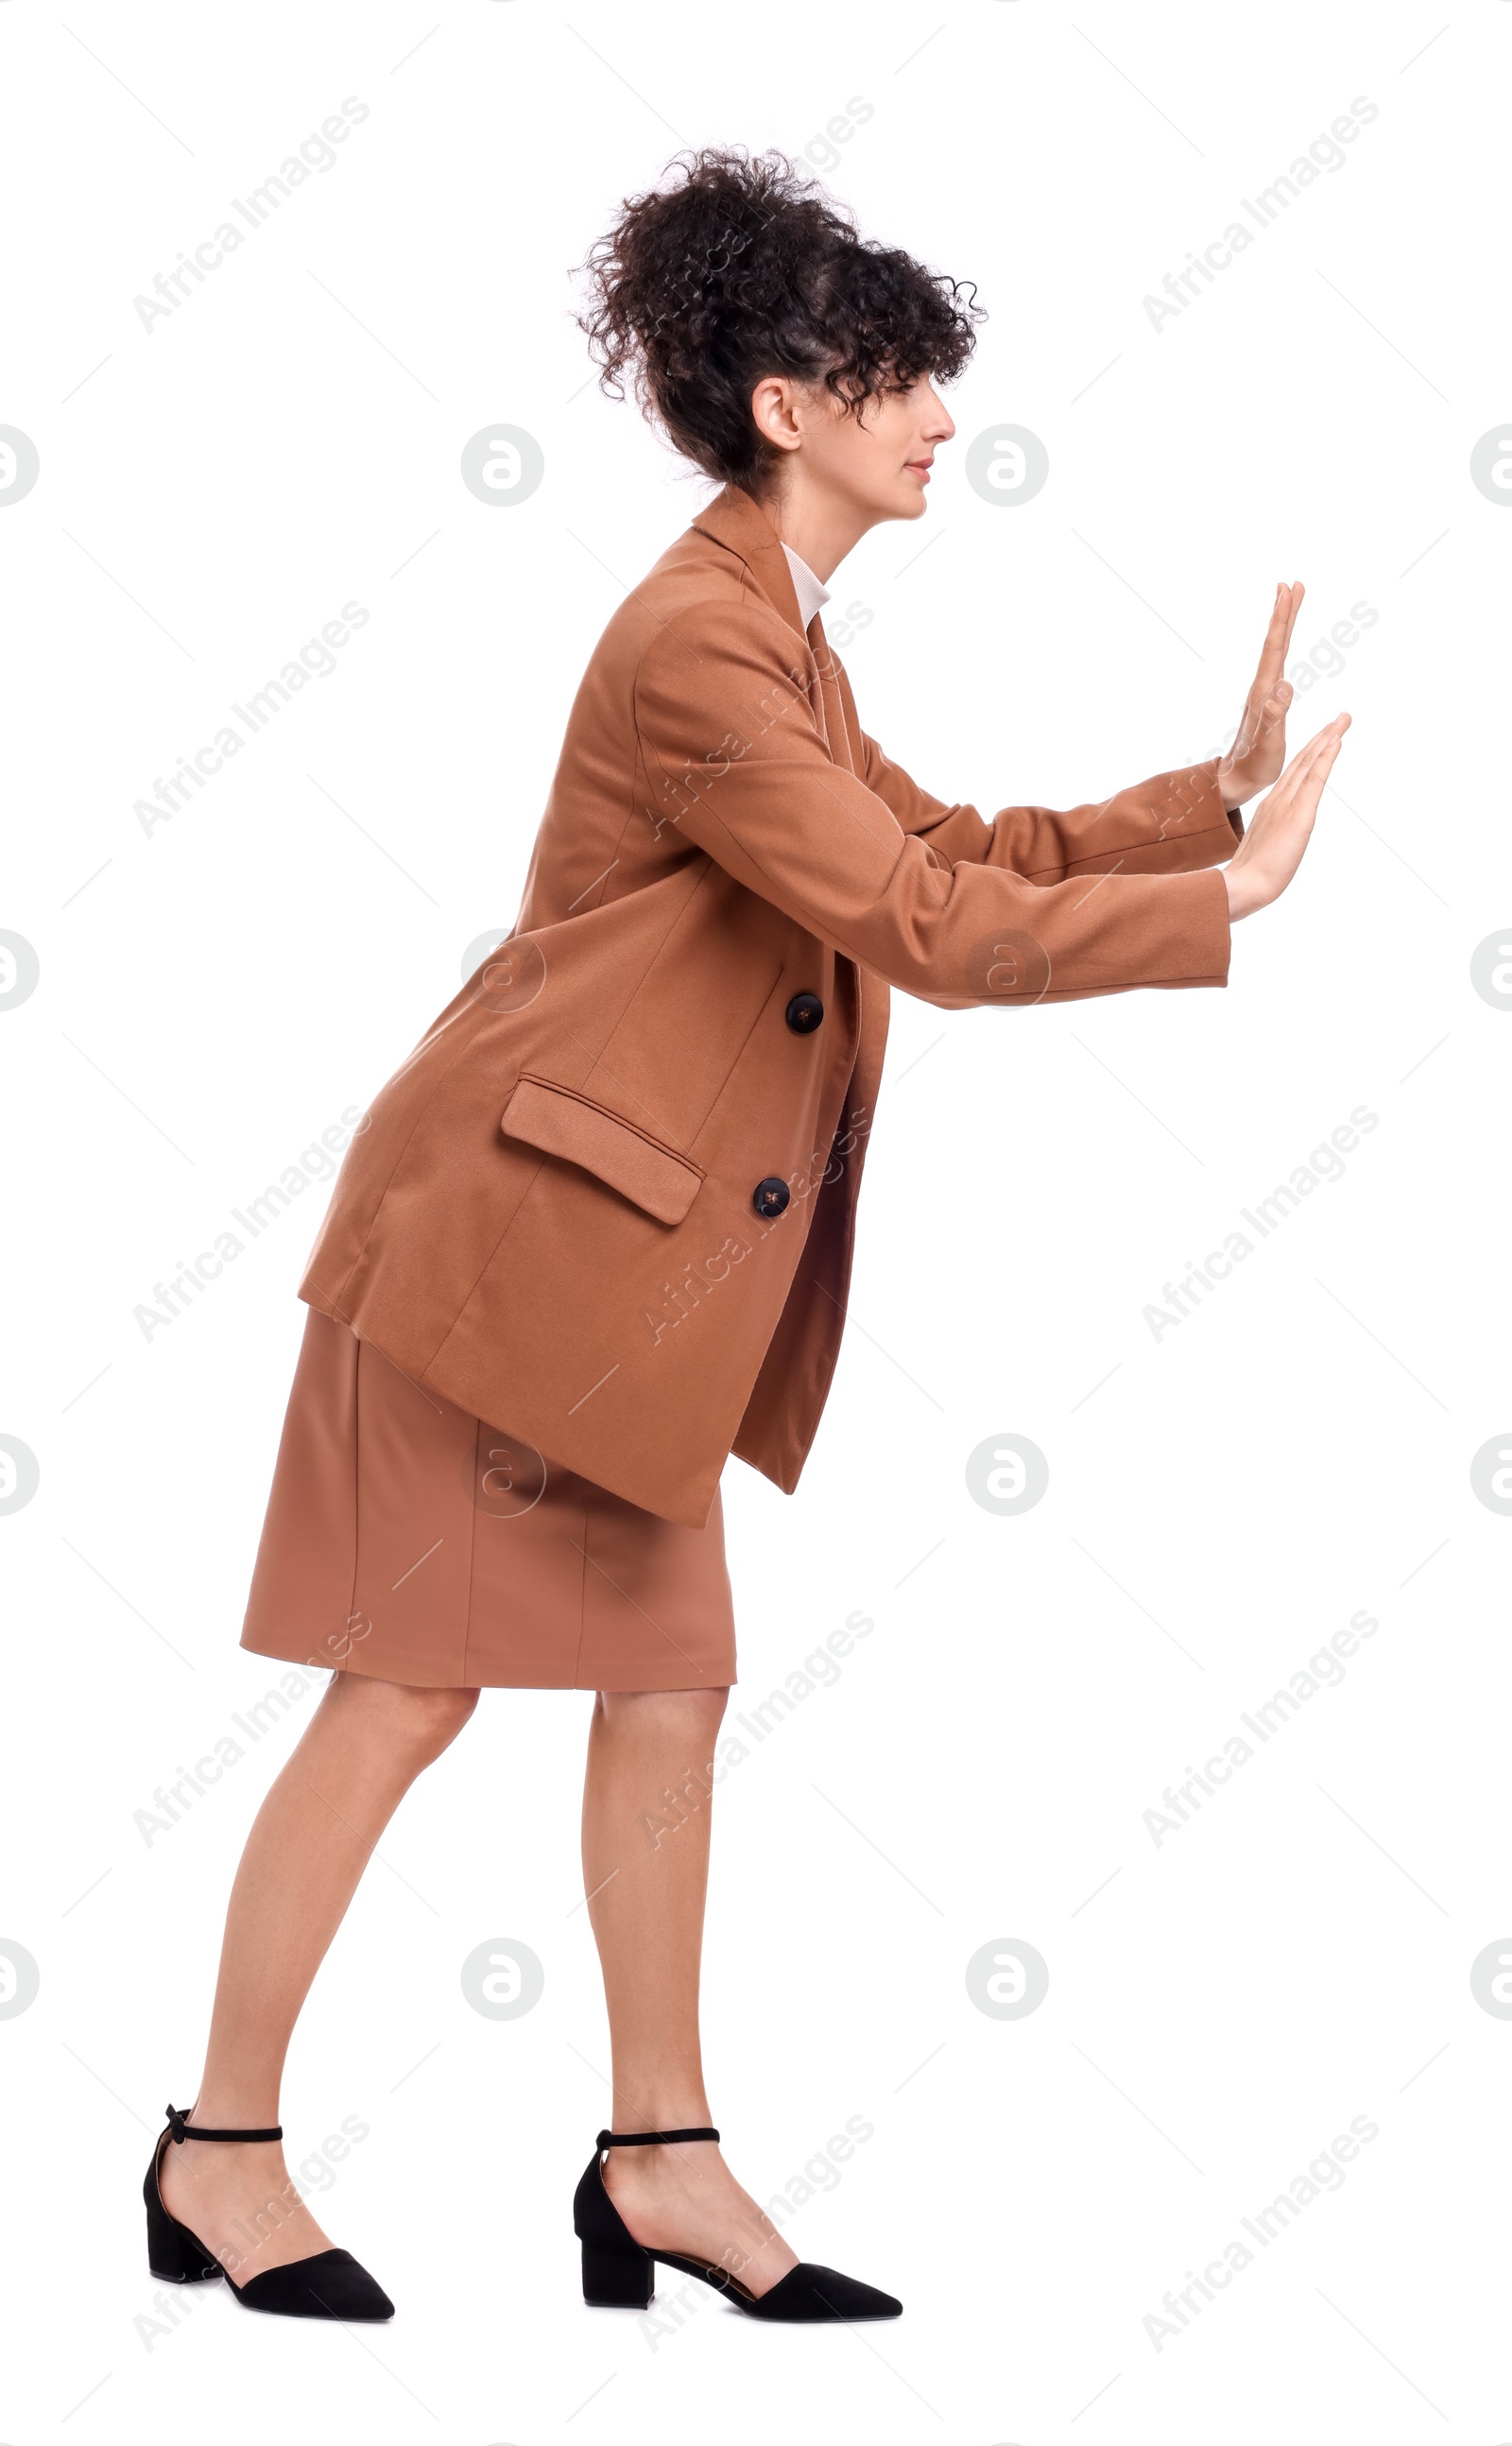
180, 2128
654, 2139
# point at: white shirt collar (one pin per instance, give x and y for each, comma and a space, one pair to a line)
811, 594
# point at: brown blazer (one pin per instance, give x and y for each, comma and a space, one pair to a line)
607, 1203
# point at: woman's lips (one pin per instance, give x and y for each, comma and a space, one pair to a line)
920, 467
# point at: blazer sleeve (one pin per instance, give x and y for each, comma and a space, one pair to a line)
732, 753
1173, 824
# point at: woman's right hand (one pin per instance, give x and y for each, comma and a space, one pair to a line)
1281, 826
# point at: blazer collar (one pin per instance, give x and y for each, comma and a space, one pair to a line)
737, 519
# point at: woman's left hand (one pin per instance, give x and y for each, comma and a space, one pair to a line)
1259, 751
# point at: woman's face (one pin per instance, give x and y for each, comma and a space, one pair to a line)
876, 464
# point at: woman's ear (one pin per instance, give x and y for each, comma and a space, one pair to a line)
773, 408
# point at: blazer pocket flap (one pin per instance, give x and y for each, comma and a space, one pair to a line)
562, 1123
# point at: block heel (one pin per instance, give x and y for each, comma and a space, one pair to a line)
619, 2273
617, 2280
173, 2254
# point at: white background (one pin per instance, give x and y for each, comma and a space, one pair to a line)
1221, 1501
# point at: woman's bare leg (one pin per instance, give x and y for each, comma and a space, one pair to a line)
309, 1846
647, 1886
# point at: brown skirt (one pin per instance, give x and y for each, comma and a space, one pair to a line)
406, 1540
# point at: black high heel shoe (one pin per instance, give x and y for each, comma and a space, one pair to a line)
327, 2285
619, 2273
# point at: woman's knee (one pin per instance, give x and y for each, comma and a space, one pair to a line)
692, 1714
420, 1721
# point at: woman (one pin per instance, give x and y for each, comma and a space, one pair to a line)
606, 1205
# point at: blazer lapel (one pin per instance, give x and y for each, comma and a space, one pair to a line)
736, 520
836, 731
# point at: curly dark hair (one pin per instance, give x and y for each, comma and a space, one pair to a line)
743, 268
